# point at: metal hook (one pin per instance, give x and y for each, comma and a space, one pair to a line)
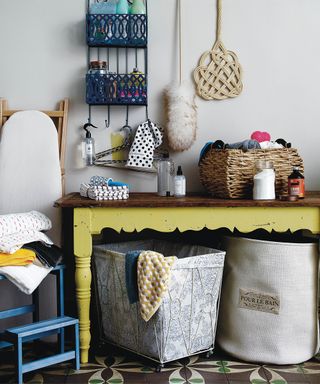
127, 116
89, 114
128, 128
107, 121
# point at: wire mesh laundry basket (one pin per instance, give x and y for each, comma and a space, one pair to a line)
185, 323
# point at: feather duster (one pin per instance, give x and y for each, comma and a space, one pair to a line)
182, 116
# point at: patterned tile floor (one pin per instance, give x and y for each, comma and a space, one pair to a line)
118, 368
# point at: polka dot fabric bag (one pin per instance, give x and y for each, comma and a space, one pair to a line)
148, 137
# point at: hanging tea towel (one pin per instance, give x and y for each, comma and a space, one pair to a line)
148, 137
154, 271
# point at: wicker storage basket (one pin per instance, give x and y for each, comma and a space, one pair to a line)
228, 173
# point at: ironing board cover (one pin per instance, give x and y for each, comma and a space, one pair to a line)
30, 172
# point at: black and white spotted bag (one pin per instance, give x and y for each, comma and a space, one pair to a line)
148, 137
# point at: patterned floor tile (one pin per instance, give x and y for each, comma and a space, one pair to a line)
243, 372
125, 368
121, 369
311, 371
199, 369
282, 374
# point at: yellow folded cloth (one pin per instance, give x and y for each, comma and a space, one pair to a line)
21, 257
154, 272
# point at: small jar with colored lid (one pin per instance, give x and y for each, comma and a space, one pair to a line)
296, 183
98, 67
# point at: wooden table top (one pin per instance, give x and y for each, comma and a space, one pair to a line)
152, 200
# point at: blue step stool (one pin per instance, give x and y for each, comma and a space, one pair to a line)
16, 336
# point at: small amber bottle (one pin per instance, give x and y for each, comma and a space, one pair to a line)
296, 183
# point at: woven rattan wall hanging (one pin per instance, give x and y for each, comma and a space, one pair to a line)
219, 74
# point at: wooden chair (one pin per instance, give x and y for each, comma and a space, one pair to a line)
37, 329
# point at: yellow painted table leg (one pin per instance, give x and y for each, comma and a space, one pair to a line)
82, 251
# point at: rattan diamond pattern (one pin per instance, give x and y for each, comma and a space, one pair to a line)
219, 74
221, 77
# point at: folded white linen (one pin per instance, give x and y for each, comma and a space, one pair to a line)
11, 243
16, 222
26, 278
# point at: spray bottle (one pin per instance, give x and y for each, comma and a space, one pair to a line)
88, 149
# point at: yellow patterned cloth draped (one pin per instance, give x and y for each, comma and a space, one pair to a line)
154, 271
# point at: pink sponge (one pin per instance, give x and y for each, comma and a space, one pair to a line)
260, 136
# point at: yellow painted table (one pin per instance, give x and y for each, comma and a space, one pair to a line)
166, 214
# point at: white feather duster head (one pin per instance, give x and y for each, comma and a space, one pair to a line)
182, 115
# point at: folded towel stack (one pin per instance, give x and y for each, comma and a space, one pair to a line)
102, 192
101, 188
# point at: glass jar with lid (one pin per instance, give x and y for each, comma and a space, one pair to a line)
264, 181
97, 80
98, 67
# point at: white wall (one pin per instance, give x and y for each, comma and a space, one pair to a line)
43, 59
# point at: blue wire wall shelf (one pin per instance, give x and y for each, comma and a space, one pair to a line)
116, 30
116, 89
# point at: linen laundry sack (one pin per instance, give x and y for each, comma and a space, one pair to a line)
269, 301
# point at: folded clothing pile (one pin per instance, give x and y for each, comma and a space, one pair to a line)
27, 255
20, 257
100, 188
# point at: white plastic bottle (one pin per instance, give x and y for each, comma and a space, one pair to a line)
179, 183
264, 181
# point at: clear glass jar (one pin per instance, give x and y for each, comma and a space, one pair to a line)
98, 67
264, 181
97, 79
165, 176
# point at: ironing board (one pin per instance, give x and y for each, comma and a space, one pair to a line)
59, 116
32, 161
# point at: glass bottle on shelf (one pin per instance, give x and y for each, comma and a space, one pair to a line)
137, 84
165, 176
137, 8
122, 7
296, 183
179, 183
